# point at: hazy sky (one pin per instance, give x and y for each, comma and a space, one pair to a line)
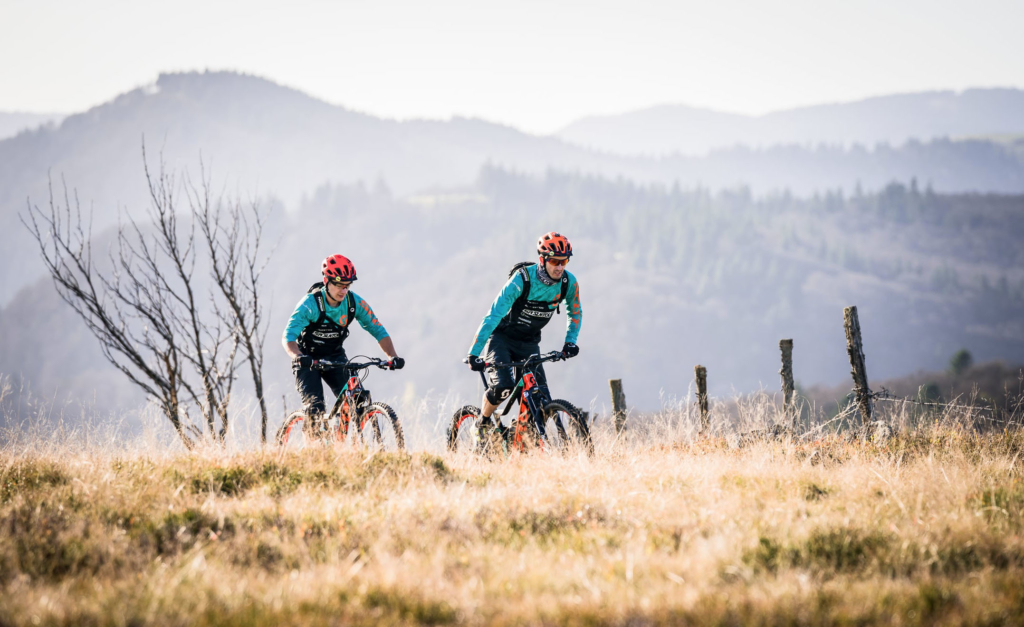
534, 64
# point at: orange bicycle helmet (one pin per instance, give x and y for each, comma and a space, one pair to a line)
339, 268
554, 245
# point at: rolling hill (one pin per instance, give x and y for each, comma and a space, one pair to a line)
258, 137
892, 119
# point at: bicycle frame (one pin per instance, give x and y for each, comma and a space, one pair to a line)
531, 398
352, 399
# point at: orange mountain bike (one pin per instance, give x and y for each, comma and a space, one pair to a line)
541, 423
376, 423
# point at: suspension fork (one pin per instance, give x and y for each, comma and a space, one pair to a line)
535, 405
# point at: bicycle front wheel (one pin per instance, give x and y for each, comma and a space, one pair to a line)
292, 434
570, 427
462, 433
380, 429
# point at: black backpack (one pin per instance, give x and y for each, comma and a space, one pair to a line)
521, 269
322, 306
324, 337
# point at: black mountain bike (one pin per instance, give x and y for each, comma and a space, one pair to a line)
376, 423
536, 411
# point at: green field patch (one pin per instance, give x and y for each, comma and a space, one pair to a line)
814, 492
409, 608
392, 468
854, 551
279, 479
28, 475
480, 480
231, 481
666, 538
437, 465
1001, 501
745, 483
313, 471
830, 551
564, 523
386, 467
132, 467
178, 531
45, 540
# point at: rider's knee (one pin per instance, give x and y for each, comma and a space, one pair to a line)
496, 395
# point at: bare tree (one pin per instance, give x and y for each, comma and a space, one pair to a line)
233, 233
146, 306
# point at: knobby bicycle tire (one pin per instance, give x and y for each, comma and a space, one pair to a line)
572, 428
466, 417
292, 422
372, 416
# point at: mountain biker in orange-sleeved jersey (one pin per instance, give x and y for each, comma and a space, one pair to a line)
511, 330
318, 328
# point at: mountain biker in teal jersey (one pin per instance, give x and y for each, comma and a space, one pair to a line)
318, 328
511, 329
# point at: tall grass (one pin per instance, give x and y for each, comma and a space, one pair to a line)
818, 526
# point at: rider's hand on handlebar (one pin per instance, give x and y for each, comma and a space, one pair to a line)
304, 362
570, 350
475, 363
396, 363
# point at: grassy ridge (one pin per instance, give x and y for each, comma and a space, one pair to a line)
923, 529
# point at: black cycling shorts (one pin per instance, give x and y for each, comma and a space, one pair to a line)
501, 348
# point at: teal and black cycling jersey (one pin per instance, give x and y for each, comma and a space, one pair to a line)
307, 313
543, 301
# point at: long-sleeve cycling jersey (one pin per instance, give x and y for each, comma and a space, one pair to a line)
539, 292
306, 313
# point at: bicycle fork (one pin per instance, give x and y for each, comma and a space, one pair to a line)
529, 409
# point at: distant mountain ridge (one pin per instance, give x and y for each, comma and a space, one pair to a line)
893, 119
14, 122
261, 138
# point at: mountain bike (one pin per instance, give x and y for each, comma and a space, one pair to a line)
529, 429
376, 424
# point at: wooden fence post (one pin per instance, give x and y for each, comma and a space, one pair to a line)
702, 396
618, 404
855, 348
786, 346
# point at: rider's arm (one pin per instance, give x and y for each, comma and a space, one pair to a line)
305, 314
366, 319
575, 311
499, 309
388, 347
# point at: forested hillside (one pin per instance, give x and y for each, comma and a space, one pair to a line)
669, 278
12, 123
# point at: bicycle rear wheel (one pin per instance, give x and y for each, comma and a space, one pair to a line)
571, 429
380, 429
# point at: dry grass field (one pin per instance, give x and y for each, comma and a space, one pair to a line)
657, 528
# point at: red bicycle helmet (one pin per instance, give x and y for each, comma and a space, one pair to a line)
554, 245
339, 268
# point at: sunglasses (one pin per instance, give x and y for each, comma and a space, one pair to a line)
341, 283
558, 262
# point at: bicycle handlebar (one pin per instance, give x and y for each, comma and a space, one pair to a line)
323, 364
532, 359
